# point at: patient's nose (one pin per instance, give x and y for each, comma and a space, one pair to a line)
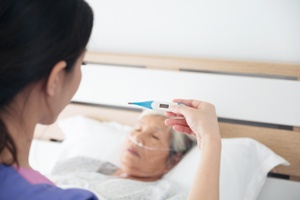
141, 136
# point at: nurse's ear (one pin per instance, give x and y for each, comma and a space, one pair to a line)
56, 78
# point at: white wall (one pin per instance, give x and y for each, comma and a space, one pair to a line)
255, 30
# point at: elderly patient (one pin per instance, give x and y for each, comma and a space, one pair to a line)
151, 150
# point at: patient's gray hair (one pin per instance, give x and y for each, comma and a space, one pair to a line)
180, 143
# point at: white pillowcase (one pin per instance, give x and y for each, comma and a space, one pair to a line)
245, 164
91, 138
244, 161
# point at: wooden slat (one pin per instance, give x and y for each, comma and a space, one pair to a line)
175, 63
284, 143
297, 129
295, 178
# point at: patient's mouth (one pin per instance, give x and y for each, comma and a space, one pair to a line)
133, 152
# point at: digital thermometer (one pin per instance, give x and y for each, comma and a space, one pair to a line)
155, 105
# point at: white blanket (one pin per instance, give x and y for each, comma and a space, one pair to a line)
82, 172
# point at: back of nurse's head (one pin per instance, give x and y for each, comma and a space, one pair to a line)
35, 35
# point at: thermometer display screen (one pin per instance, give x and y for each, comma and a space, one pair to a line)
163, 105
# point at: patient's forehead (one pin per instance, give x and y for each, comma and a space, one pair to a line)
154, 121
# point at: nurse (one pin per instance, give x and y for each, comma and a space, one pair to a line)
42, 45
41, 50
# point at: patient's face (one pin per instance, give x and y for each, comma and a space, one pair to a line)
141, 162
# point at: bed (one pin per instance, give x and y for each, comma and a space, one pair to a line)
253, 100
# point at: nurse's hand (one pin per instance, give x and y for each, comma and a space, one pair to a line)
196, 118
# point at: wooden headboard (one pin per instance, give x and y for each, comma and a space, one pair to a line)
284, 140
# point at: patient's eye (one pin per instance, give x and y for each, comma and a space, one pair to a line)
138, 128
155, 137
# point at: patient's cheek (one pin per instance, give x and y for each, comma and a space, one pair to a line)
124, 145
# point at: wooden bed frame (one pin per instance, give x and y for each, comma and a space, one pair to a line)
284, 142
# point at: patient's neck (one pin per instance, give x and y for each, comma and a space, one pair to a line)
122, 174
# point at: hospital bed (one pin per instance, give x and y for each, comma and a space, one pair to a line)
253, 100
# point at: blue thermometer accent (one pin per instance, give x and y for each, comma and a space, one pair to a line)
155, 105
145, 104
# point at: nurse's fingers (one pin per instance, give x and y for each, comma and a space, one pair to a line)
184, 129
172, 122
171, 114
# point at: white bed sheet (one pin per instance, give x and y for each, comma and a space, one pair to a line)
44, 154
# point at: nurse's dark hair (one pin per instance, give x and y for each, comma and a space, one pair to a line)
34, 36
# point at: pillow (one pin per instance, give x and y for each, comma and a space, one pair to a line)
245, 164
43, 155
244, 161
92, 138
